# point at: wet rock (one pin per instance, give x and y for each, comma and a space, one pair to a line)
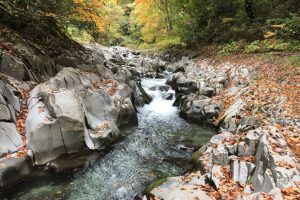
141, 96
10, 139
13, 170
67, 162
168, 96
159, 76
117, 59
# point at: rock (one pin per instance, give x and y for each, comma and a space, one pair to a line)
276, 194
127, 115
216, 175
59, 120
145, 66
242, 148
9, 95
13, 170
159, 76
2, 100
194, 109
5, 114
229, 125
10, 139
67, 162
240, 171
164, 88
149, 75
211, 111
220, 155
233, 109
168, 96
248, 123
209, 92
171, 189
219, 138
75, 110
251, 139
181, 84
11, 66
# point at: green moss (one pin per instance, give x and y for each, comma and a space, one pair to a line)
155, 184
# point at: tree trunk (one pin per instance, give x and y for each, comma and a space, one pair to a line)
216, 15
249, 9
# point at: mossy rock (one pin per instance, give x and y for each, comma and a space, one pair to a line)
195, 164
154, 185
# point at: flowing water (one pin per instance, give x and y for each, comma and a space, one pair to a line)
153, 150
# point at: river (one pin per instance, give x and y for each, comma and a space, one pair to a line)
159, 146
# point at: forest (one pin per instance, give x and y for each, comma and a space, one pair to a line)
149, 99
236, 25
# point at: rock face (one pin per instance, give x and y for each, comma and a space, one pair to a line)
246, 160
76, 110
10, 139
195, 85
260, 164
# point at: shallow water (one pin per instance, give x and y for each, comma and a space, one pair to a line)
150, 151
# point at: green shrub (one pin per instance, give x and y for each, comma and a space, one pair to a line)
232, 47
253, 47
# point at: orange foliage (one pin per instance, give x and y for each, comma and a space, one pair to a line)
92, 10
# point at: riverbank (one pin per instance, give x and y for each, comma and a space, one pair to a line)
255, 154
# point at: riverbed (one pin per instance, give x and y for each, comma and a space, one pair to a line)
160, 146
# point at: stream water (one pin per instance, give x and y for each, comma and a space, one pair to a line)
156, 148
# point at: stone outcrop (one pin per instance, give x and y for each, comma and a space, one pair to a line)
247, 159
76, 110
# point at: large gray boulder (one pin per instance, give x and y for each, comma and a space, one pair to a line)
199, 109
55, 126
76, 110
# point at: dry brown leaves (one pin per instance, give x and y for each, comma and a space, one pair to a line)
282, 163
210, 191
291, 193
112, 84
101, 128
116, 102
276, 84
21, 117
97, 85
